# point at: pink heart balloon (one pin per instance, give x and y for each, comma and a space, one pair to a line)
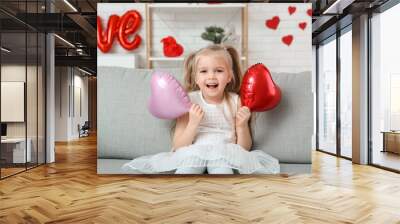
168, 99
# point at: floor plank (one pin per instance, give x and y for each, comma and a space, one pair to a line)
70, 191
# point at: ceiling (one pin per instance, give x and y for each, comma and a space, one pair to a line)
76, 23
76, 26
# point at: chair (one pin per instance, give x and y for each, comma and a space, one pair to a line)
84, 130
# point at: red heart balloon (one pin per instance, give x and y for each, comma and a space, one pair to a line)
258, 91
303, 25
273, 23
288, 39
291, 9
309, 12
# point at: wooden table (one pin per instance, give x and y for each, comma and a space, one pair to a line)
391, 141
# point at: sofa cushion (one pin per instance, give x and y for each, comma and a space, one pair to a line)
125, 127
285, 132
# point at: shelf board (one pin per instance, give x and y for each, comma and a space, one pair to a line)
197, 5
166, 59
175, 59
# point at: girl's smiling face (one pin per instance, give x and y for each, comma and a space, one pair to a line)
212, 75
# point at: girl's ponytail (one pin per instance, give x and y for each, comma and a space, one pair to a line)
236, 69
189, 69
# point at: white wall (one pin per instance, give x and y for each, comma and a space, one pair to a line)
80, 82
265, 45
61, 103
13, 101
186, 25
15, 72
67, 80
34, 125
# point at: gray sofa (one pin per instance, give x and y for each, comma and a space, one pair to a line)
127, 130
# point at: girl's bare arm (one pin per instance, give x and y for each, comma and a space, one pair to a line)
186, 127
242, 127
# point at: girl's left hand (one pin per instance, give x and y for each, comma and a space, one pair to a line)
242, 117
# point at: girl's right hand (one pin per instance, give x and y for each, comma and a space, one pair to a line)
195, 115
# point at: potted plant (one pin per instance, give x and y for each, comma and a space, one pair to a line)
217, 35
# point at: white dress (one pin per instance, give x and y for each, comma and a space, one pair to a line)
213, 146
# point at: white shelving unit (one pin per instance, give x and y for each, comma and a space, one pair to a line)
176, 6
197, 5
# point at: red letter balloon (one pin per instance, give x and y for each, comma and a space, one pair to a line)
130, 22
121, 27
105, 40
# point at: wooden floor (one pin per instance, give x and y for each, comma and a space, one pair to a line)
70, 191
10, 171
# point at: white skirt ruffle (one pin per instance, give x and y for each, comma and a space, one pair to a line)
198, 155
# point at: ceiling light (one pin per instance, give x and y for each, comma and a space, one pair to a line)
5, 50
80, 51
84, 71
64, 40
337, 7
70, 5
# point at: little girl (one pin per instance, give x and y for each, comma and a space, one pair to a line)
214, 135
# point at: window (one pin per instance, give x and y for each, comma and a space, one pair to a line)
346, 94
327, 97
385, 89
22, 77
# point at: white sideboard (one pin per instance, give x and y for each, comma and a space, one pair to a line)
18, 148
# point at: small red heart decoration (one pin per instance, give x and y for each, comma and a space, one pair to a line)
291, 9
287, 39
273, 23
303, 25
309, 12
258, 91
171, 48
